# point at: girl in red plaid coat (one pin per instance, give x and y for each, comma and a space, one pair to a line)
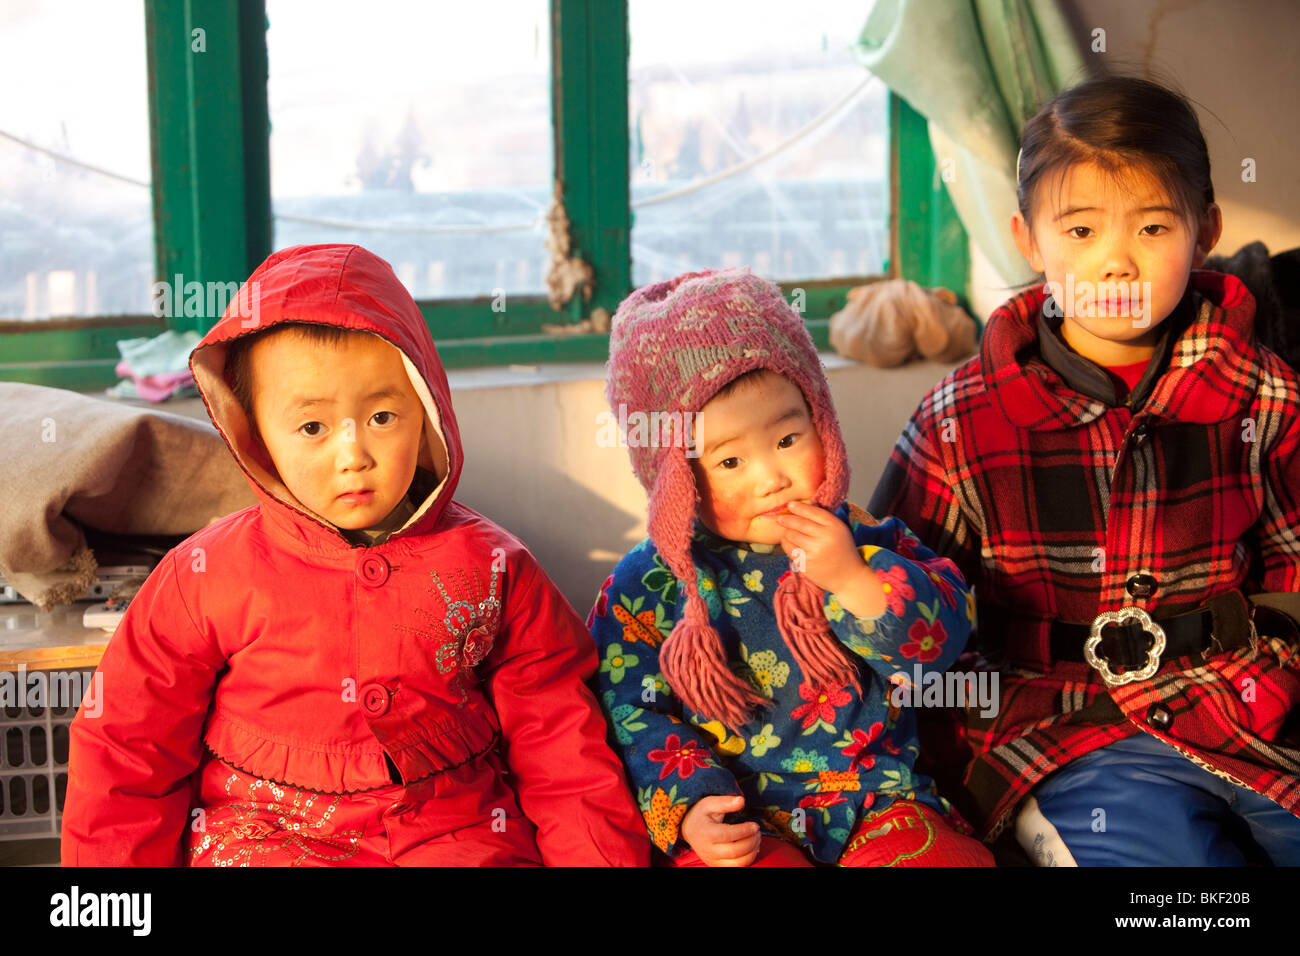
1118, 474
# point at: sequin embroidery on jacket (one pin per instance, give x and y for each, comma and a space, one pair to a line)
272, 824
468, 627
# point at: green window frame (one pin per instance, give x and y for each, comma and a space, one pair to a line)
210, 155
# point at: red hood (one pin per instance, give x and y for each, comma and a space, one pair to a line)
351, 288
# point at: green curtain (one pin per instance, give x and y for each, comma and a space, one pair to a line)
976, 70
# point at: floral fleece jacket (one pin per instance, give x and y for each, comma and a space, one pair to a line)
812, 764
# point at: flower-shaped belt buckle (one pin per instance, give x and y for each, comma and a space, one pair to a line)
1102, 666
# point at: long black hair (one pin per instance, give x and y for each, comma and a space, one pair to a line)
1123, 124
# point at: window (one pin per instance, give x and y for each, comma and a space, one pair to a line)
768, 150
76, 225
435, 134
430, 144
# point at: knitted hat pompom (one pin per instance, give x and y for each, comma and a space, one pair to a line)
673, 346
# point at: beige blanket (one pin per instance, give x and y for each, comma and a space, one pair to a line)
71, 460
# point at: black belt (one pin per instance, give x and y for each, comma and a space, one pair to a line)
1128, 644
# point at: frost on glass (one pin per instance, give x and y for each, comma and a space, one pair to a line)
76, 223
756, 139
421, 131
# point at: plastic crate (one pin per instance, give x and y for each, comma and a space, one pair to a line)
33, 769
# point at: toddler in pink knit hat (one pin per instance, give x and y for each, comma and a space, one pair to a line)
759, 648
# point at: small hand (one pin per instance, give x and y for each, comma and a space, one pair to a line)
820, 545
826, 553
718, 843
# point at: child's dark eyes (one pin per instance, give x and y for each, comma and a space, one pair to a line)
729, 463
788, 440
1085, 232
316, 429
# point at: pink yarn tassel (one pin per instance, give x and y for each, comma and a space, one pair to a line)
802, 622
695, 667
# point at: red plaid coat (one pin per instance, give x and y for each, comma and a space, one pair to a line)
1050, 498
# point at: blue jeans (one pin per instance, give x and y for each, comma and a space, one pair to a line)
1139, 802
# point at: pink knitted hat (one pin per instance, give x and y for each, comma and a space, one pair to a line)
672, 347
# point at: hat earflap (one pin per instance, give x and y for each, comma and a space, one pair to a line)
695, 667
802, 622
692, 659
825, 662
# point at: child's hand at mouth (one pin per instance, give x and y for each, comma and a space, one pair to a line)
830, 559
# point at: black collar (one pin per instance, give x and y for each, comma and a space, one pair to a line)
1089, 378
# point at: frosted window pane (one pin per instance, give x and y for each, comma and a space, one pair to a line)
421, 131
757, 139
76, 221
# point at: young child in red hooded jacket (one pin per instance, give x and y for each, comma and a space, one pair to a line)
358, 670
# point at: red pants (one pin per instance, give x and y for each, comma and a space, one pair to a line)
904, 834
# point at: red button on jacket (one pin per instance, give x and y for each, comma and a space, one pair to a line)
372, 569
374, 700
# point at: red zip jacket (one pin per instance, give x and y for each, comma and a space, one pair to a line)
1052, 496
276, 694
